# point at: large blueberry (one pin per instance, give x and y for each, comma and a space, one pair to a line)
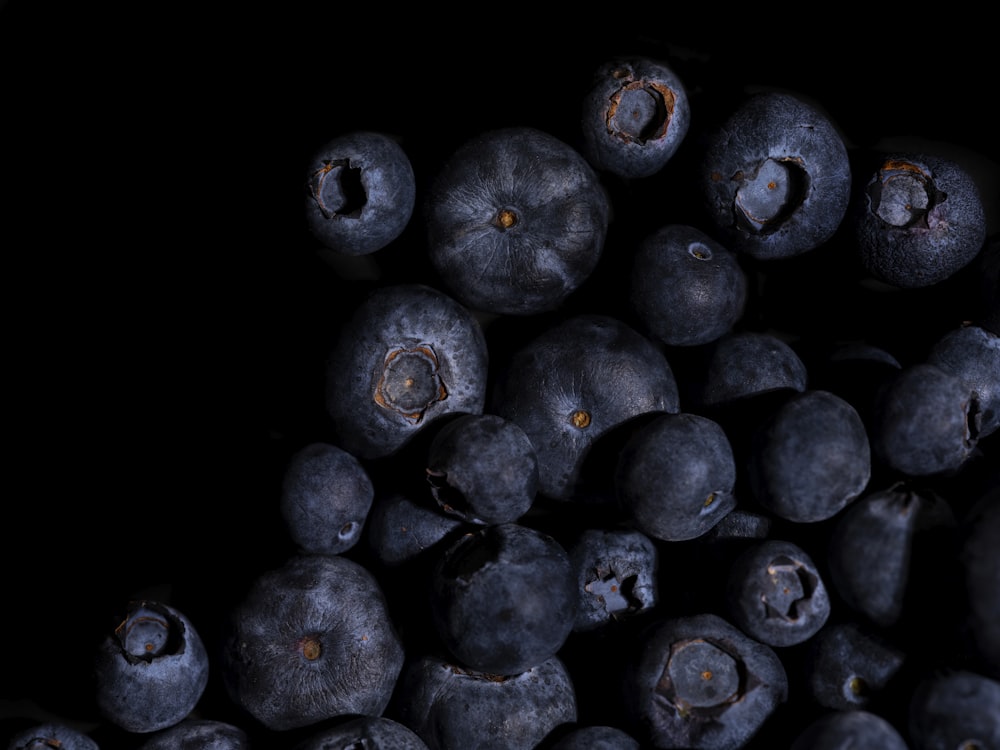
326, 494
925, 421
954, 708
311, 640
152, 670
408, 355
199, 733
364, 733
516, 221
699, 682
744, 364
810, 458
449, 706
401, 529
483, 469
50, 735
871, 550
918, 220
686, 288
576, 382
504, 598
856, 729
849, 665
676, 476
595, 737
775, 593
360, 192
635, 116
776, 176
973, 353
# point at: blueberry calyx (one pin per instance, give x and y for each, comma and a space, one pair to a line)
792, 583
580, 419
903, 195
764, 200
640, 111
149, 631
615, 592
701, 675
336, 188
410, 382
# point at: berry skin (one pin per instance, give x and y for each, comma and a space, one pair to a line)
483, 469
408, 355
676, 476
595, 737
364, 733
634, 117
776, 595
956, 708
152, 670
973, 353
699, 682
360, 192
853, 728
811, 457
326, 494
576, 382
504, 598
203, 734
311, 640
776, 177
919, 220
51, 734
516, 221
745, 364
449, 706
686, 288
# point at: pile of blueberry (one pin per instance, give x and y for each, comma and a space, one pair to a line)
663, 417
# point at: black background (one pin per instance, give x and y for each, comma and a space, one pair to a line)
167, 311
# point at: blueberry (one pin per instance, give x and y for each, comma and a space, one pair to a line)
973, 353
775, 593
152, 670
980, 560
504, 598
401, 530
408, 355
776, 177
851, 729
363, 733
849, 665
483, 469
700, 682
686, 288
450, 706
326, 494
516, 221
744, 364
360, 192
811, 457
954, 708
676, 476
617, 572
200, 733
635, 116
871, 550
925, 421
918, 220
311, 640
595, 737
49, 734
576, 382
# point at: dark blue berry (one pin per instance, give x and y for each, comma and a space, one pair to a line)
686, 288
919, 220
635, 115
326, 494
516, 221
201, 734
311, 640
743, 364
408, 355
364, 733
973, 353
360, 192
856, 729
47, 735
954, 708
595, 737
152, 670
676, 476
776, 177
504, 598
401, 529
